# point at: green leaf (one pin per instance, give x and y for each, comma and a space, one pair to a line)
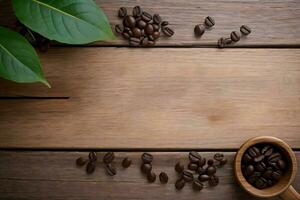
18, 59
66, 21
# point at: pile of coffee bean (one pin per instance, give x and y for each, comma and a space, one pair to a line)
141, 28
234, 36
199, 171
263, 165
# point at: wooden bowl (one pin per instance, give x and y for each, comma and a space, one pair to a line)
283, 187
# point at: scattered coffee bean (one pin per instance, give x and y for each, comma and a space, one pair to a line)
211, 170
126, 163
164, 23
197, 185
167, 31
249, 170
203, 177
254, 152
179, 167
147, 158
146, 17
210, 162
110, 170
119, 29
122, 12
129, 21
221, 43
80, 161
202, 162
134, 41
213, 181
201, 170
151, 176
126, 35
163, 177
180, 183
90, 167
108, 157
199, 30
156, 35
194, 157
157, 19
235, 36
245, 30
274, 157
149, 29
156, 27
193, 166
187, 176
259, 158
209, 22
267, 150
137, 11
146, 168
281, 164
218, 156
93, 156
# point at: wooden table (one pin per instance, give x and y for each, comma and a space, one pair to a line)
182, 95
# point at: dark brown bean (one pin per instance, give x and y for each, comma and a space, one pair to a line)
211, 170
194, 157
146, 17
108, 157
151, 43
267, 150
281, 164
179, 167
80, 161
210, 162
197, 185
167, 31
141, 24
254, 152
110, 170
245, 30
163, 177
90, 167
156, 35
157, 19
202, 162
203, 177
193, 166
165, 23
249, 170
268, 174
151, 176
156, 27
93, 156
260, 166
259, 158
126, 162
144, 41
235, 36
126, 35
213, 181
276, 175
209, 22
247, 158
187, 176
122, 12
149, 29
119, 29
180, 183
199, 30
201, 170
146, 168
147, 158
134, 41
129, 21
218, 156
221, 43
274, 157
136, 32
137, 11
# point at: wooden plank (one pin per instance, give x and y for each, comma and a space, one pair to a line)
53, 175
273, 22
179, 98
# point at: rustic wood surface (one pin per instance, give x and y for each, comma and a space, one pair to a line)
274, 22
156, 98
53, 175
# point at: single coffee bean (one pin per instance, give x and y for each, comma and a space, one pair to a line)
137, 11
252, 179
119, 29
110, 170
149, 29
167, 31
146, 17
273, 165
247, 158
202, 162
211, 170
157, 19
199, 30
194, 157
201, 170
267, 150
254, 152
163, 177
81, 161
147, 158
165, 23
276, 175
260, 166
223, 161
141, 24
179, 167
203, 177
126, 162
249, 170
122, 12
274, 157
126, 35
90, 167
155, 27
259, 158
209, 22
281, 164
146, 168
187, 176
221, 43
268, 174
245, 30
235, 36
151, 176
134, 41
151, 43
197, 185
260, 183
156, 35
227, 41
210, 162
144, 41
151, 38
92, 156
129, 21
193, 166
218, 156
213, 181
136, 32
180, 183
108, 157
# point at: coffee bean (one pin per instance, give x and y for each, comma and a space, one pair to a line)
259, 158
274, 157
210, 162
276, 175
129, 21
119, 29
199, 30
151, 176
146, 168
194, 157
193, 166
223, 161
179, 167
163, 177
180, 183
146, 17
157, 19
268, 174
227, 41
137, 11
202, 162
187, 176
165, 23
260, 183
213, 181
267, 150
110, 170
81, 161
90, 167
201, 170
167, 31
247, 158
203, 177
149, 29
108, 157
151, 43
260, 167
218, 156
136, 32
211, 170
249, 170
147, 158
134, 41
221, 43
126, 162
235, 36
141, 24
151, 38
281, 164
245, 30
155, 27
254, 152
144, 41
197, 185
122, 12
252, 179
92, 156
126, 35
209, 21
156, 35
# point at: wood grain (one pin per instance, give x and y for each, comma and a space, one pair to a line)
273, 22
53, 176
136, 98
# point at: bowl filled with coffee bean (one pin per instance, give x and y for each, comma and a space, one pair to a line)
266, 167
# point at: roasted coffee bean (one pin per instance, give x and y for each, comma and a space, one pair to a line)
136, 32
179, 167
122, 12
180, 183
163, 177
167, 31
235, 36
90, 167
129, 21
165, 23
221, 43
203, 177
213, 181
227, 41
157, 19
249, 170
110, 170
151, 38
146, 17
247, 158
156, 35
149, 29
155, 27
137, 11
146, 168
81, 161
219, 156
260, 166
211, 170
274, 157
187, 176
193, 166
252, 179
151, 43
281, 164
194, 157
245, 30
197, 185
259, 158
202, 162
268, 174
108, 157
126, 162
151, 176
119, 29
126, 35
254, 152
276, 175
199, 30
209, 22
134, 41
260, 183
141, 24
92, 156
147, 158
210, 162
201, 170
144, 41
223, 161
267, 150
